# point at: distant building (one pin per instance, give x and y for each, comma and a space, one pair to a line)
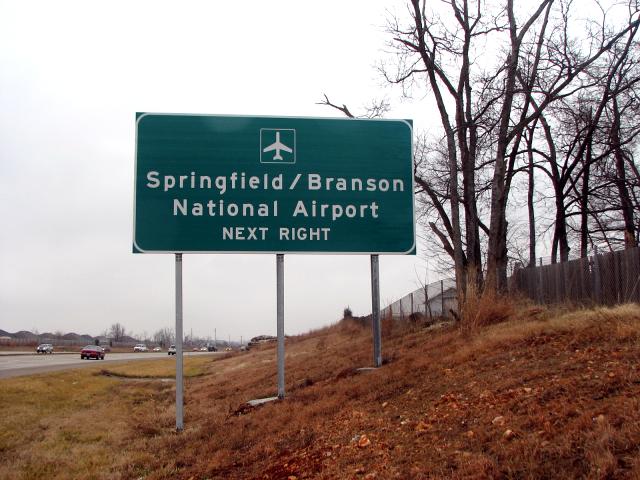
436, 300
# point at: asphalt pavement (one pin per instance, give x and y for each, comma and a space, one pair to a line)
16, 365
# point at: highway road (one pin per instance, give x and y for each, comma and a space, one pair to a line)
18, 365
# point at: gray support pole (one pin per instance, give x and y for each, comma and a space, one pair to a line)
280, 315
375, 311
179, 364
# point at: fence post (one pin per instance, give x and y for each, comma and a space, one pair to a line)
632, 264
426, 307
539, 283
411, 304
556, 279
442, 298
597, 285
581, 281
617, 276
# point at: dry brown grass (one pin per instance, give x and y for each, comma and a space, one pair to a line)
567, 386
481, 308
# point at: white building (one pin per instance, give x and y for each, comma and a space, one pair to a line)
434, 300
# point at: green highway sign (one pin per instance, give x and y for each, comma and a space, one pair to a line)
210, 183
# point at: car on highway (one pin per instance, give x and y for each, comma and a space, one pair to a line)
157, 349
44, 348
92, 351
141, 347
172, 350
204, 349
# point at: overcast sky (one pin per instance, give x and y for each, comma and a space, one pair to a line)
72, 76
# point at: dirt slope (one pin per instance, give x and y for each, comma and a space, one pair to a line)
541, 396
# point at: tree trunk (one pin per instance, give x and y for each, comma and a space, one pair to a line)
497, 248
456, 240
621, 179
561, 229
531, 207
584, 202
467, 142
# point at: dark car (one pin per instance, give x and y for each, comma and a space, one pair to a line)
92, 351
211, 348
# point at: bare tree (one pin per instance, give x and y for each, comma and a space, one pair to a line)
583, 131
443, 53
520, 90
117, 331
486, 108
164, 337
375, 109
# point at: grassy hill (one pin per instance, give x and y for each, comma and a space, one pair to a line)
542, 394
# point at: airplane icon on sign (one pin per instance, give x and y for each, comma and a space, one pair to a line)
278, 146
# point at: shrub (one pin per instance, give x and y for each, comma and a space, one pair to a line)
483, 307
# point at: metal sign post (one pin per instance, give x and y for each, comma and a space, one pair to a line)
280, 321
375, 311
179, 364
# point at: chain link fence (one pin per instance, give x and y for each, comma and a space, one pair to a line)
600, 279
436, 299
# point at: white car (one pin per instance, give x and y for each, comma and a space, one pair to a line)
44, 348
172, 350
157, 349
140, 348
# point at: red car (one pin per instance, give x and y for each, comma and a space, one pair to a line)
92, 351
